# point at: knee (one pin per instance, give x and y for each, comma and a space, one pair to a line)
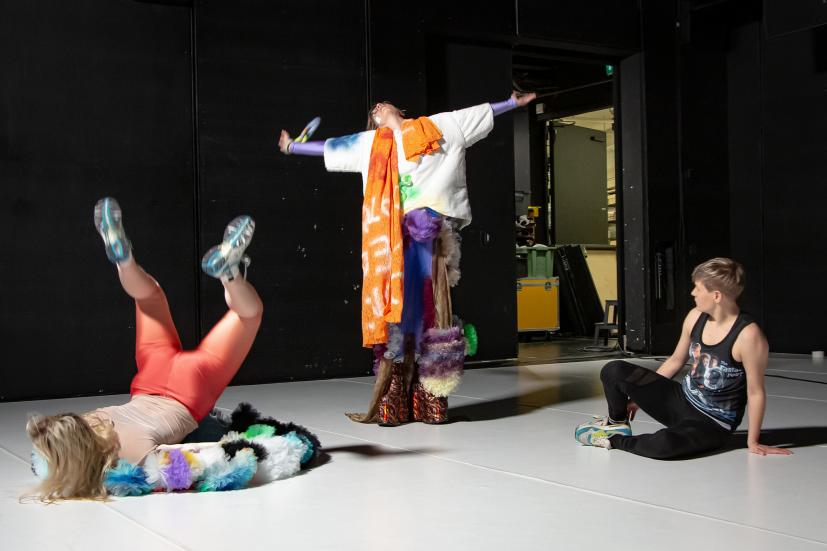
253, 313
612, 370
249, 309
257, 309
150, 293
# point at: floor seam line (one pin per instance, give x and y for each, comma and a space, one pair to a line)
144, 528
797, 398
578, 489
108, 507
14, 455
796, 371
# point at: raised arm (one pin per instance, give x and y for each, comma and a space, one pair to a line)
517, 99
677, 360
752, 346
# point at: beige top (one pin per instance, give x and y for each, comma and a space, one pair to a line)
147, 421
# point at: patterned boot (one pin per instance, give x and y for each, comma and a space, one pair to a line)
393, 407
430, 409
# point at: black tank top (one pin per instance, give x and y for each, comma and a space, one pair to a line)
717, 384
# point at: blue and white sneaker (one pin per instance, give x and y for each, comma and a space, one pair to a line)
109, 223
221, 261
598, 431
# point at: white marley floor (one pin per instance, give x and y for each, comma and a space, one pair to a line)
506, 475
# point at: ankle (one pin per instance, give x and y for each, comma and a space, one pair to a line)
230, 275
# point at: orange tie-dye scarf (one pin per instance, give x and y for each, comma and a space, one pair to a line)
419, 137
382, 255
382, 260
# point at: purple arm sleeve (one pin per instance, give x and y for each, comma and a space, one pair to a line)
503, 106
315, 149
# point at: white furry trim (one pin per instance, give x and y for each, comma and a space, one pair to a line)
441, 386
283, 458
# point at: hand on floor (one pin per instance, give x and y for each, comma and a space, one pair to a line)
761, 449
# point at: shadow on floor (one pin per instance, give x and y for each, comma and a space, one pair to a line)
794, 437
369, 450
566, 349
523, 403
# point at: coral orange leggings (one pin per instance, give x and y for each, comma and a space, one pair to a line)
196, 378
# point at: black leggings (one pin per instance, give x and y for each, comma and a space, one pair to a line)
687, 432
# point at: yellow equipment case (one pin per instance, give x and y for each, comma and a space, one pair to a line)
538, 304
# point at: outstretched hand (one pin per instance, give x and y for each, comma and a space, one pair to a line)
761, 449
523, 98
284, 142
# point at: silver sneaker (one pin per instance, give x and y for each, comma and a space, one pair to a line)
221, 261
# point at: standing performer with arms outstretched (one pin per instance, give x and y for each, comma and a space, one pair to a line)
415, 204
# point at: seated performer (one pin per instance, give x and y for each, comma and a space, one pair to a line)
172, 390
415, 203
729, 356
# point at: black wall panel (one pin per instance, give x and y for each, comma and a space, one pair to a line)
787, 17
752, 151
487, 21
485, 295
261, 69
632, 234
704, 145
95, 100
794, 111
664, 215
613, 26
746, 179
751, 144
399, 73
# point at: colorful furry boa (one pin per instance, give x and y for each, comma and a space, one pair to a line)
442, 359
254, 449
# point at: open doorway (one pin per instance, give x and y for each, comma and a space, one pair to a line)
584, 195
565, 215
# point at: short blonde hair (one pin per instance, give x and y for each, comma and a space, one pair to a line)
721, 274
77, 453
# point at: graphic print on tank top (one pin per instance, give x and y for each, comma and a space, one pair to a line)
716, 384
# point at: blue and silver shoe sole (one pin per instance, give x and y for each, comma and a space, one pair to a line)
108, 222
221, 258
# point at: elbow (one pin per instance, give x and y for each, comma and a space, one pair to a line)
755, 396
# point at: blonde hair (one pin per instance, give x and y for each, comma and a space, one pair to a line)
77, 451
721, 274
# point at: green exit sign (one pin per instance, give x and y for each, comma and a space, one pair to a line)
610, 70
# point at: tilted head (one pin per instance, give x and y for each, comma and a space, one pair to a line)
716, 280
77, 454
384, 114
